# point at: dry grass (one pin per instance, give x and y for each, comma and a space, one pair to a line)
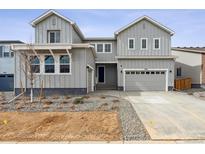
60, 126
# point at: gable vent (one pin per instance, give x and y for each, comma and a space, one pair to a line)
54, 21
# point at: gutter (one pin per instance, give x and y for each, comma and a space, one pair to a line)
145, 57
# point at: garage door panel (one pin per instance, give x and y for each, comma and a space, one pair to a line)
148, 81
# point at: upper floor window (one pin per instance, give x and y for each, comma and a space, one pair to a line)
35, 64
5, 51
144, 43
49, 64
131, 43
54, 36
64, 64
99, 47
108, 47
156, 43
1, 51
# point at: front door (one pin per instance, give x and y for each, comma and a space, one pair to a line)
101, 74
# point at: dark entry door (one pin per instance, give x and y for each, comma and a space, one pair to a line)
101, 74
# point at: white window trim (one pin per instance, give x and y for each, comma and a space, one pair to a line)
39, 64
49, 31
146, 43
129, 43
103, 47
98, 72
69, 64
36, 64
49, 64
154, 43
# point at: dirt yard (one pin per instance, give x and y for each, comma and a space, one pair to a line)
60, 126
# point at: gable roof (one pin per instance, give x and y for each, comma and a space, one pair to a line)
51, 12
190, 49
146, 18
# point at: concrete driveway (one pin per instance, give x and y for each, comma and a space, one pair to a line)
170, 115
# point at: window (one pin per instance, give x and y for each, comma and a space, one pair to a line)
100, 48
108, 47
54, 36
64, 64
179, 71
6, 54
12, 53
1, 51
49, 64
131, 43
156, 43
35, 64
143, 43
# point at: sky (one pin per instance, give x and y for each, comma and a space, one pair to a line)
188, 25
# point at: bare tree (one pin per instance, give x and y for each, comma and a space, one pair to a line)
29, 66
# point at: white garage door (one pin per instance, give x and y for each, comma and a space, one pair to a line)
145, 80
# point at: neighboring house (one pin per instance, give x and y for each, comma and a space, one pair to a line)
138, 57
7, 65
190, 62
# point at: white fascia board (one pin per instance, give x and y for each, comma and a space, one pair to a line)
146, 57
47, 14
149, 19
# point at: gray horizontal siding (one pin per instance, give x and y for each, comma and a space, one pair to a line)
62, 25
150, 64
106, 56
137, 31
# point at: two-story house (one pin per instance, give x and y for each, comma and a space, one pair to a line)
7, 65
138, 57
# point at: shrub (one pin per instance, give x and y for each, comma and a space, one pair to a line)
115, 101
67, 97
102, 97
86, 97
78, 101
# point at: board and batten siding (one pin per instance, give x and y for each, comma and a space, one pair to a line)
143, 29
75, 37
142, 64
190, 64
77, 79
42, 28
103, 57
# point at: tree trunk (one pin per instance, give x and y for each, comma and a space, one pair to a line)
31, 95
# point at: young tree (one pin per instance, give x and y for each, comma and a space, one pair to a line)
30, 65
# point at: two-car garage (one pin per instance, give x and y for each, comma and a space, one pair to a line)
145, 80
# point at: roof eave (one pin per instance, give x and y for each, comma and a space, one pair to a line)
149, 19
47, 14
